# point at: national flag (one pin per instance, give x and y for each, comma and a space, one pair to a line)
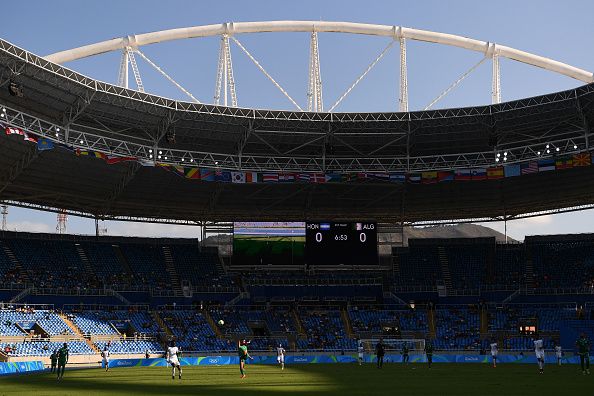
334, 177
379, 176
303, 177
348, 177
207, 174
251, 177
414, 177
14, 131
112, 159
96, 154
192, 173
317, 178
581, 159
479, 174
286, 177
145, 162
29, 138
463, 174
512, 170
178, 170
362, 176
270, 177
44, 144
223, 176
324, 226
546, 165
443, 176
564, 163
80, 152
238, 177
529, 167
397, 177
429, 177
495, 172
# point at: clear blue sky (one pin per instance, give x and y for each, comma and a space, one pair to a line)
560, 30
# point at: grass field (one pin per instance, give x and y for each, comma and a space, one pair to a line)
314, 379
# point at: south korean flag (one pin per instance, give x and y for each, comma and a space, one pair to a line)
238, 177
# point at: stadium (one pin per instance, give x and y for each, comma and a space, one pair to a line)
305, 250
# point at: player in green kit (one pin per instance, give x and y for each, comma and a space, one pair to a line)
54, 361
405, 353
243, 356
583, 345
62, 360
429, 352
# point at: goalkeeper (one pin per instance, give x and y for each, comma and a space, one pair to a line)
243, 356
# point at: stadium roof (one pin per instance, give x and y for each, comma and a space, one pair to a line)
99, 116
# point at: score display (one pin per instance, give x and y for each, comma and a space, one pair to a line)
347, 243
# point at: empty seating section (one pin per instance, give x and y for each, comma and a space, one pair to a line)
467, 264
130, 346
94, 322
51, 263
147, 263
509, 267
236, 321
45, 348
324, 330
8, 273
562, 264
107, 266
49, 322
279, 320
369, 320
419, 266
196, 266
414, 320
193, 333
458, 328
108, 322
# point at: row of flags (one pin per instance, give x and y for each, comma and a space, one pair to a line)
240, 177
429, 177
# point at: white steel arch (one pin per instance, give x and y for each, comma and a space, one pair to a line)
396, 32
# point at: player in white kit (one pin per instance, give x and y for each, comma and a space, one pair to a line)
494, 352
360, 349
558, 353
105, 356
280, 356
540, 353
173, 359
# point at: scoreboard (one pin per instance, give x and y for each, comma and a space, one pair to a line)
348, 243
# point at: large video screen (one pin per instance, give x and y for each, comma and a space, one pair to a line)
328, 243
268, 243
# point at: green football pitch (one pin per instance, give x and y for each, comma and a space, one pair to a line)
314, 379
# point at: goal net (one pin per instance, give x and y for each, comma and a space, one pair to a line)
393, 345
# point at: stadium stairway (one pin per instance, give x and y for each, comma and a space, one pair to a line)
170, 268
297, 319
431, 323
212, 323
445, 268
164, 328
77, 332
529, 273
15, 262
346, 320
84, 259
396, 266
484, 324
122, 259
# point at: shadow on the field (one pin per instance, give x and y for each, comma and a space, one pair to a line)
231, 386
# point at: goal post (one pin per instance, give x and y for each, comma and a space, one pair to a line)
393, 345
